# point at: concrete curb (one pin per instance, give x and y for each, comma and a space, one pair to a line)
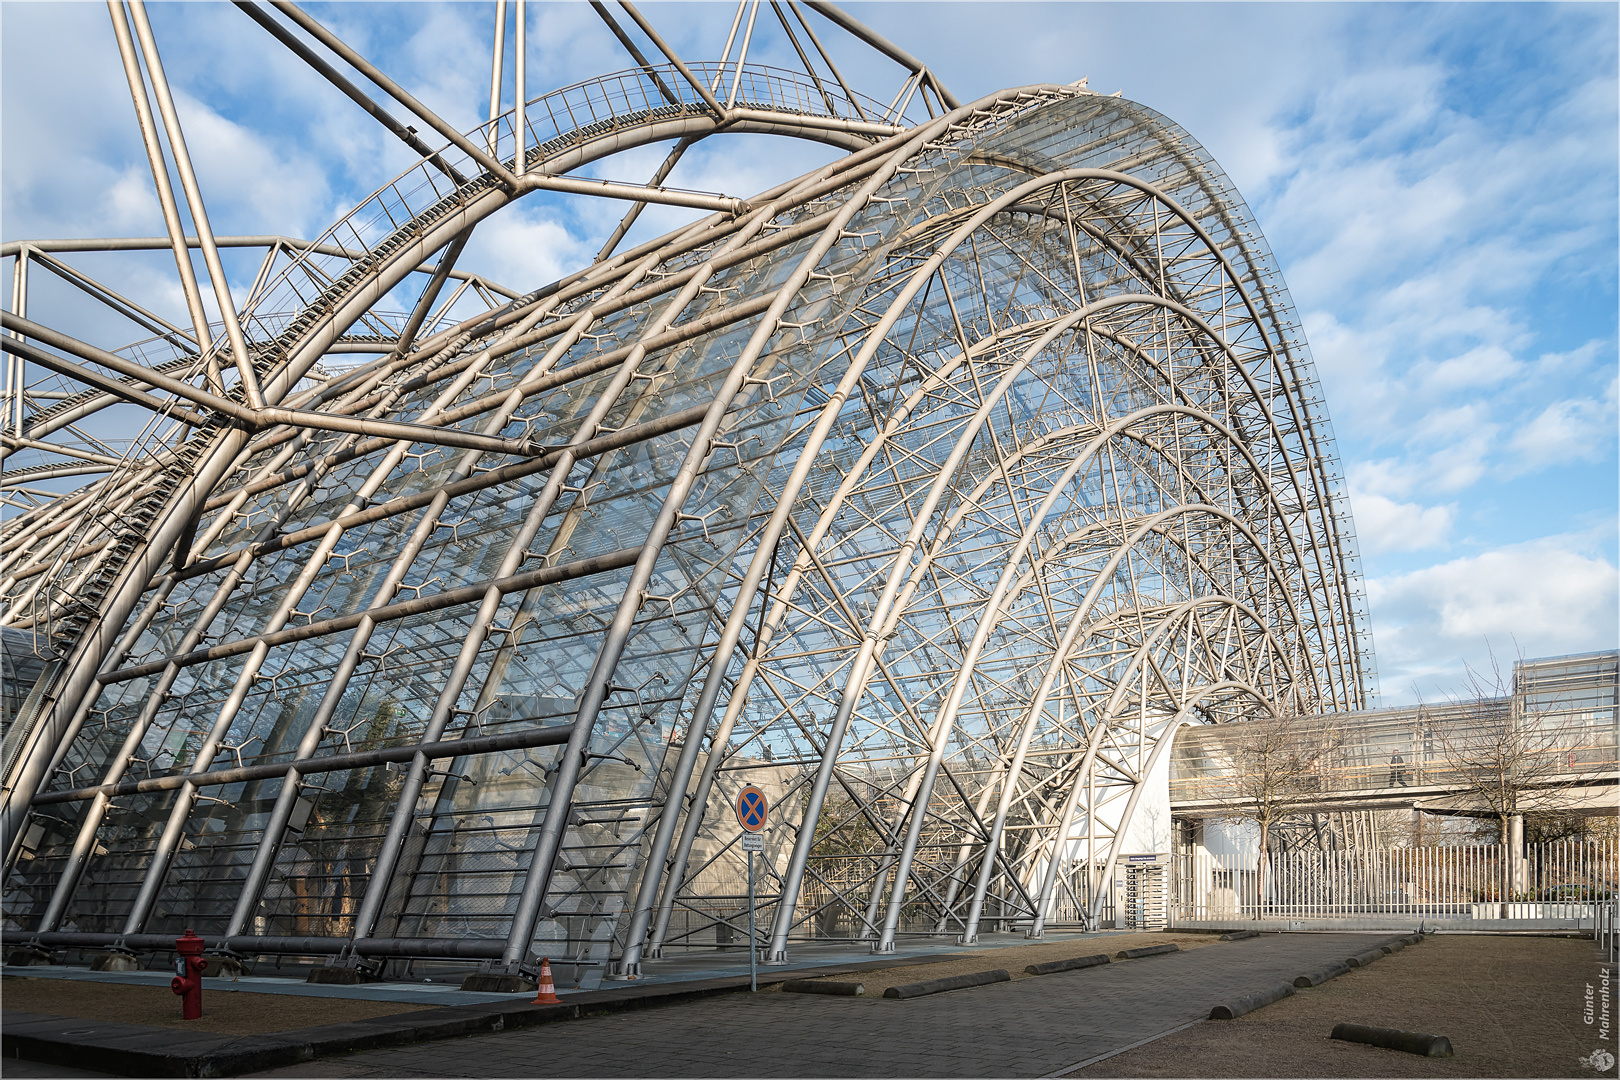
1075, 964
950, 982
1410, 1042
1391, 925
1362, 959
823, 986
1151, 950
1242, 1006
1240, 935
1321, 975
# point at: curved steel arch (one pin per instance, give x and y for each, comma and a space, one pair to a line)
895, 384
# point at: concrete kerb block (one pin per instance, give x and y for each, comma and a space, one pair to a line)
1242, 1006
116, 960
226, 965
1240, 935
1151, 950
823, 986
1390, 948
1075, 964
339, 976
1321, 975
1362, 959
29, 956
1410, 1042
491, 982
950, 982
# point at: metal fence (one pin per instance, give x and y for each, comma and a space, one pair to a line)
1562, 880
1606, 928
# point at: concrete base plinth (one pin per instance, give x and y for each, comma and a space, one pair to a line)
497, 982
339, 976
228, 966
28, 958
116, 961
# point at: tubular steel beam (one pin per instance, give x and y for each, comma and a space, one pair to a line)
894, 52
596, 564
485, 744
397, 92
269, 416
635, 51
610, 189
505, 474
238, 945
497, 64
157, 243
634, 212
126, 392
520, 103
686, 73
240, 355
165, 189
351, 91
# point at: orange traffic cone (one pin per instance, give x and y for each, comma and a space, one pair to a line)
546, 992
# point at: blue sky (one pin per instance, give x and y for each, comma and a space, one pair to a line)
1439, 183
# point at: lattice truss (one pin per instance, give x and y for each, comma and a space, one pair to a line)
931, 491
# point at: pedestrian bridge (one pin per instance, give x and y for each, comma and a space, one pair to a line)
1553, 736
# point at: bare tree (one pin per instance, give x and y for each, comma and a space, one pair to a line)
1271, 774
1510, 766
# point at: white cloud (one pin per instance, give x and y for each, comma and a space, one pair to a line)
1382, 524
1541, 598
132, 200
239, 170
1576, 428
529, 248
1485, 365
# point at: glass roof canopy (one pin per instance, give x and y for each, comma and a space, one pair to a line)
931, 492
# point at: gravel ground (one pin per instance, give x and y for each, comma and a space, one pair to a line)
1511, 1006
232, 1013
1015, 959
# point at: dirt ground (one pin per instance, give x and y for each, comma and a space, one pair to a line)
1015, 959
224, 1012
1511, 1006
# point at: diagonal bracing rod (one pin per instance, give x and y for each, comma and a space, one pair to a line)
631, 47
351, 91
397, 92
165, 189
270, 417
686, 73
101, 382
194, 202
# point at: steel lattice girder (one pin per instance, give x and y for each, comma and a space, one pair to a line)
931, 492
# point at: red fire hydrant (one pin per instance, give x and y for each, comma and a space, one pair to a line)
188, 972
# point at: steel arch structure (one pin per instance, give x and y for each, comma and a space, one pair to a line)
932, 491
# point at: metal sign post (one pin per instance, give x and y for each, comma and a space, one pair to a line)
753, 945
753, 811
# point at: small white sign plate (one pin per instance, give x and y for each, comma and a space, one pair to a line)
752, 841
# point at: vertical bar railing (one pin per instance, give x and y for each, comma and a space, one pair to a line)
1572, 880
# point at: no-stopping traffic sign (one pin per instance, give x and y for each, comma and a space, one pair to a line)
753, 811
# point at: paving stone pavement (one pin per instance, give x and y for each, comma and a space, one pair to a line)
1029, 1028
